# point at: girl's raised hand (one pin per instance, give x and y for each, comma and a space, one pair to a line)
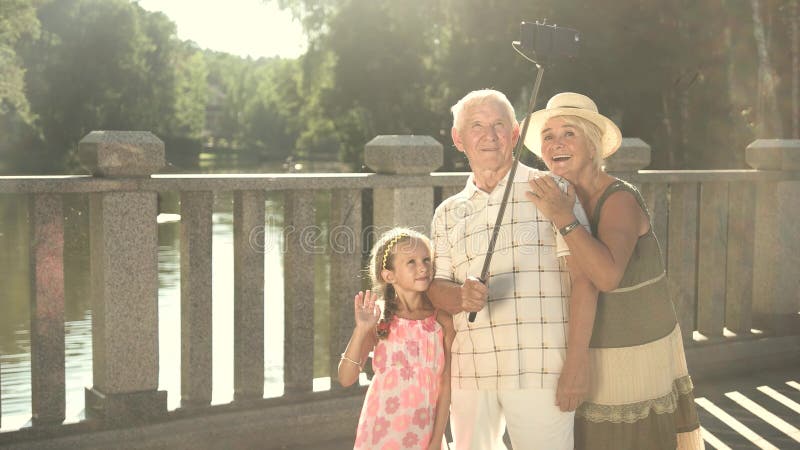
366, 308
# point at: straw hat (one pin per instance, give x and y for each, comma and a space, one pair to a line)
572, 104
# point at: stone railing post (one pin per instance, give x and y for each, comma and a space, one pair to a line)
776, 260
633, 154
123, 239
403, 155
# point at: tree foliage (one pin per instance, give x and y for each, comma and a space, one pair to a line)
696, 80
18, 22
108, 64
684, 76
254, 104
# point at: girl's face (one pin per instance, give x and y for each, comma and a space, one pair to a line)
413, 268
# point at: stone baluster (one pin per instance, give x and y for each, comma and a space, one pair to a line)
403, 155
682, 254
248, 295
299, 272
739, 261
776, 260
712, 247
46, 219
196, 305
345, 270
123, 239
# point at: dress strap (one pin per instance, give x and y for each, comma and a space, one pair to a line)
617, 185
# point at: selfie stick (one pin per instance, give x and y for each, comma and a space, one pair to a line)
517, 152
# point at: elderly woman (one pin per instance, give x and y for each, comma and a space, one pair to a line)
639, 391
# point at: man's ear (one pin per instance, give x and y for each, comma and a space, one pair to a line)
457, 139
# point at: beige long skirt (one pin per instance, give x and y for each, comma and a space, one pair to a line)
640, 398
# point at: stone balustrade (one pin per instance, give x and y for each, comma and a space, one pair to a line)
730, 240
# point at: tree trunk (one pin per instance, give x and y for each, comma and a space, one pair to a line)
794, 26
768, 120
670, 140
683, 108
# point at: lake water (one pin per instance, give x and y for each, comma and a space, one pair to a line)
15, 374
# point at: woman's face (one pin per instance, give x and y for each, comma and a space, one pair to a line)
565, 149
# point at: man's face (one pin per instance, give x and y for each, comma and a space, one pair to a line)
487, 136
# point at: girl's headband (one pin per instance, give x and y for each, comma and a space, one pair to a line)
389, 248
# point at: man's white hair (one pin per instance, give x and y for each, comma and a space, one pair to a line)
479, 97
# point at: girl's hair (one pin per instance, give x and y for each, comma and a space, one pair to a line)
382, 257
592, 134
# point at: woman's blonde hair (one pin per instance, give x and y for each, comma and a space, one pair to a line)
382, 257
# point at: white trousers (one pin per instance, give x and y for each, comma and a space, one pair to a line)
478, 420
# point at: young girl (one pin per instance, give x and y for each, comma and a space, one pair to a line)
408, 401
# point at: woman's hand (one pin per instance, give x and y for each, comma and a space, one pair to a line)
553, 203
367, 311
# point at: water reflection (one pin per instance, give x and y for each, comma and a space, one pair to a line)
15, 313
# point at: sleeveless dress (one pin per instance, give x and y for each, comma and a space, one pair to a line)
640, 393
400, 406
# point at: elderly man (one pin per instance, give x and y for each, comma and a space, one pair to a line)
511, 367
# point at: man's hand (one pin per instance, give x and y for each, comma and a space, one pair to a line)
473, 295
573, 384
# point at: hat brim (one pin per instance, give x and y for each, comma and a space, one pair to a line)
611, 135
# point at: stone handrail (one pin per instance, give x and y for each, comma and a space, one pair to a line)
729, 238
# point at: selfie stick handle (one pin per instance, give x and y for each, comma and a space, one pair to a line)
517, 152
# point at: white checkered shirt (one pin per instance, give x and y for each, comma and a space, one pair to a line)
519, 340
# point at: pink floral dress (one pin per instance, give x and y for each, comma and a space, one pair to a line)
400, 406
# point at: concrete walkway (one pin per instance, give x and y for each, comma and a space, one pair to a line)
759, 410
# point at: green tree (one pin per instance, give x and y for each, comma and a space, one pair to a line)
373, 59
108, 64
270, 122
254, 103
696, 80
18, 22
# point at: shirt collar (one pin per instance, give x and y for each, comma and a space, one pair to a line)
521, 175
